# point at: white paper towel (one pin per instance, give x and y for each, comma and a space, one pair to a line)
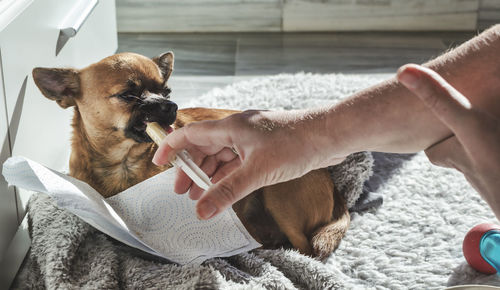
148, 216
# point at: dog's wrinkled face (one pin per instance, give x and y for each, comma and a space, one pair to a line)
116, 96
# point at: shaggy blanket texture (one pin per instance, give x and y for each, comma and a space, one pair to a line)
412, 241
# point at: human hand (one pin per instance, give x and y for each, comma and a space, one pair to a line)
271, 147
473, 148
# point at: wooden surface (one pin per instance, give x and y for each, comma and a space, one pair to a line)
305, 15
205, 61
489, 13
198, 15
237, 54
428, 15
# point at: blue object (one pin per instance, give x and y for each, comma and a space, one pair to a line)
489, 248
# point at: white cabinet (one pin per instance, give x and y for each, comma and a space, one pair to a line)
8, 211
30, 124
39, 128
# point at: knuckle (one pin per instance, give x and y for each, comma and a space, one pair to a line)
239, 119
430, 91
189, 129
250, 113
429, 95
249, 116
432, 100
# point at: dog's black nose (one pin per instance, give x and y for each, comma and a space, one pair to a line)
168, 107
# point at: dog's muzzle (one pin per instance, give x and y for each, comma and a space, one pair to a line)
165, 109
153, 109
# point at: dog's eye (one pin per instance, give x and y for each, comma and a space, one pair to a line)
127, 96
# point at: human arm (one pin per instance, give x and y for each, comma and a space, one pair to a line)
473, 149
391, 119
279, 146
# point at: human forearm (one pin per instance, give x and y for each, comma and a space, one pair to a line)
259, 148
389, 118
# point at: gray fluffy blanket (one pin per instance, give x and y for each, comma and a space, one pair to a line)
67, 253
412, 242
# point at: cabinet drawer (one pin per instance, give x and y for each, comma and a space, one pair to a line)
8, 210
39, 128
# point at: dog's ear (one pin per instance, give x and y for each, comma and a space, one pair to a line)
165, 62
58, 84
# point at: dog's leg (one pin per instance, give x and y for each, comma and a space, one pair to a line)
301, 206
294, 233
300, 241
327, 238
290, 217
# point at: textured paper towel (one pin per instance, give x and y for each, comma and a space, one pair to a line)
148, 216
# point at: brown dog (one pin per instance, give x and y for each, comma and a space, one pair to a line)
115, 97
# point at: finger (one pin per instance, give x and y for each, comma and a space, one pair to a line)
164, 154
449, 153
449, 105
182, 182
212, 150
204, 133
218, 172
209, 166
197, 156
226, 155
195, 192
225, 169
227, 191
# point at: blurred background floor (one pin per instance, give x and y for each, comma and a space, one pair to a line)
204, 61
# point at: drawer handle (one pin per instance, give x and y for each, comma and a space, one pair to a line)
74, 21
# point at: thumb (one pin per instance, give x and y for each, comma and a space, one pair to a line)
226, 192
447, 104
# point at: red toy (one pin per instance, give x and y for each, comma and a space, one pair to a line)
471, 248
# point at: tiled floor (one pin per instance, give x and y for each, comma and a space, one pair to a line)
204, 61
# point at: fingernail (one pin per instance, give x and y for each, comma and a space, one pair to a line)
158, 158
206, 210
408, 78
